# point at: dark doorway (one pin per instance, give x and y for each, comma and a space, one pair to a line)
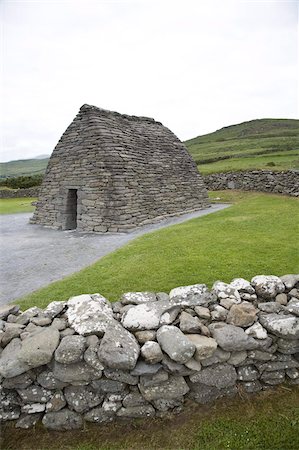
71, 210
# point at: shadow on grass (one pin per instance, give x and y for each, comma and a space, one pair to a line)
268, 420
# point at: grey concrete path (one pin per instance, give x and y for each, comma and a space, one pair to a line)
33, 256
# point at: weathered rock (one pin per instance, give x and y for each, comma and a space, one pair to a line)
290, 280
20, 381
169, 316
144, 336
218, 356
41, 321
154, 379
248, 373
98, 415
187, 291
151, 352
237, 357
173, 342
193, 365
82, 398
91, 358
284, 326
163, 404
282, 299
137, 411
242, 285
119, 349
203, 394
189, 324
78, 372
143, 368
34, 394
133, 399
38, 349
242, 315
267, 286
137, 298
5, 310
33, 408
10, 363
257, 331
54, 309
205, 347
288, 347
224, 290
232, 338
70, 349
220, 375
121, 375
293, 306
251, 386
219, 313
271, 307
174, 387
202, 312
175, 368
89, 314
108, 386
145, 316
47, 380
56, 402
62, 420
28, 421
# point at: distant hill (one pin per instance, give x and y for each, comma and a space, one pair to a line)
257, 144
23, 167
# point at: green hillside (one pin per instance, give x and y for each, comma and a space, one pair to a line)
23, 167
257, 144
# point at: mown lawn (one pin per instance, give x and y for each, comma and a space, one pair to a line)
267, 421
16, 205
257, 235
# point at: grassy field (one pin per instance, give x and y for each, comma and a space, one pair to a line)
258, 144
254, 236
23, 167
246, 423
16, 205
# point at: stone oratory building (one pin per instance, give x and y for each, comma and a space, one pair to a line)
114, 172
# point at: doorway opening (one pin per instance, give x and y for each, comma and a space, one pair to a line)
71, 210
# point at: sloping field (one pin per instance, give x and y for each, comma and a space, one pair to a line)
258, 144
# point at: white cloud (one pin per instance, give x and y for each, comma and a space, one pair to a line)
194, 65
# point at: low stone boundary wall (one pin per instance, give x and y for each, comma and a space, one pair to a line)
89, 360
286, 183
16, 193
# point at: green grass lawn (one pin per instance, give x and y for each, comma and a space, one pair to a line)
257, 235
16, 205
247, 423
274, 161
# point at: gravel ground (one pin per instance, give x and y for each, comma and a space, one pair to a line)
33, 256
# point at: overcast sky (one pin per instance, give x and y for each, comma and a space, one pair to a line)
194, 65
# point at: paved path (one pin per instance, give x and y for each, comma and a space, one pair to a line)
33, 256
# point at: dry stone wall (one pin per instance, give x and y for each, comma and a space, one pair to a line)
89, 360
124, 170
19, 193
286, 182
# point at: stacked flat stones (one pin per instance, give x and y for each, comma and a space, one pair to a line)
286, 182
89, 360
128, 171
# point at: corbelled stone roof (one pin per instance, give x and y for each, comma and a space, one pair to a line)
121, 171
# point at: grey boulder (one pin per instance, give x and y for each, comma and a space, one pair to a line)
89, 314
70, 349
284, 326
62, 420
173, 342
119, 349
220, 376
231, 338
